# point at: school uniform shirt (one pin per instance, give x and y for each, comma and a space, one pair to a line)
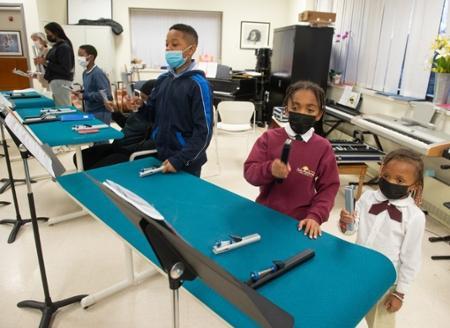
95, 80
180, 107
311, 186
401, 242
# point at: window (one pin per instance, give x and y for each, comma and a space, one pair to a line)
388, 44
149, 28
442, 30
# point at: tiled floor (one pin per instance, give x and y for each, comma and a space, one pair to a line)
83, 256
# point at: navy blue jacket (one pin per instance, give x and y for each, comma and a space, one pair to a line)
94, 81
181, 108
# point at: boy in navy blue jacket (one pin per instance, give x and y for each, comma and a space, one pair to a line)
180, 106
95, 83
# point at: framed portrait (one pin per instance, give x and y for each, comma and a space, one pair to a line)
10, 43
254, 35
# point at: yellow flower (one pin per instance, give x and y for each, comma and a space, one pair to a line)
440, 58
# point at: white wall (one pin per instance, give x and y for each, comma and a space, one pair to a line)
234, 11
52, 10
295, 7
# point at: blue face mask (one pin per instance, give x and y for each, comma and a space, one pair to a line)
175, 59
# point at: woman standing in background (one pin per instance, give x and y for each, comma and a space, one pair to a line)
40, 48
58, 63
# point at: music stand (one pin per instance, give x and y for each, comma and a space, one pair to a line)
7, 182
182, 262
28, 144
18, 222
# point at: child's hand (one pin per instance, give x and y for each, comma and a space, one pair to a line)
279, 169
392, 303
109, 105
132, 103
346, 218
77, 94
168, 167
39, 60
311, 227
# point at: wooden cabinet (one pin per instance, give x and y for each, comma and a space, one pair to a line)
10, 81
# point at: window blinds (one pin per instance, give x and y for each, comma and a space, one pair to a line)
388, 45
149, 29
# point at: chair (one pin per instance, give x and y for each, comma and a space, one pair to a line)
235, 117
142, 153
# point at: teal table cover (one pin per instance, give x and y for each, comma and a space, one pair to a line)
58, 133
334, 289
40, 101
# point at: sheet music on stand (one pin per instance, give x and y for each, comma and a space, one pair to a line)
349, 98
175, 249
210, 68
42, 152
5, 103
134, 200
20, 73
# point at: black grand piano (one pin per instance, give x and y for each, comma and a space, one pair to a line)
234, 89
238, 89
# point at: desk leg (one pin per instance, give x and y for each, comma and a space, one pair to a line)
74, 215
362, 175
67, 217
79, 156
132, 279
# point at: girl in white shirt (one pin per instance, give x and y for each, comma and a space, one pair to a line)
389, 221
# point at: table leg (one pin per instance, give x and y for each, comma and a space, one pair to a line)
131, 279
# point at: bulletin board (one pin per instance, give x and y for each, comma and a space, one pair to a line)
88, 9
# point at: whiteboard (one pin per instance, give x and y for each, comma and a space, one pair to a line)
88, 9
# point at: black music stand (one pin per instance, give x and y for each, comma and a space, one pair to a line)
18, 222
30, 146
182, 262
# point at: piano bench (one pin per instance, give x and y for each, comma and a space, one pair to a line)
359, 169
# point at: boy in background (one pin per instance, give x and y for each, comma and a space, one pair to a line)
97, 89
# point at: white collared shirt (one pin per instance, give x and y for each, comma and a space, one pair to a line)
305, 136
92, 68
401, 242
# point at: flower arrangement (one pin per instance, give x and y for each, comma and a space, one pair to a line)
441, 55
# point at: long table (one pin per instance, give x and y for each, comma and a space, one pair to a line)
334, 289
38, 100
60, 133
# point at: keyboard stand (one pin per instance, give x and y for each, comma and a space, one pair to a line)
336, 122
358, 135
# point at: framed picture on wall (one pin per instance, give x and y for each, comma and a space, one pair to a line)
10, 43
254, 35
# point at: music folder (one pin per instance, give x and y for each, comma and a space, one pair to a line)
249, 301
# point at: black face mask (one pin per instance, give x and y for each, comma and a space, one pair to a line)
301, 123
391, 190
51, 38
